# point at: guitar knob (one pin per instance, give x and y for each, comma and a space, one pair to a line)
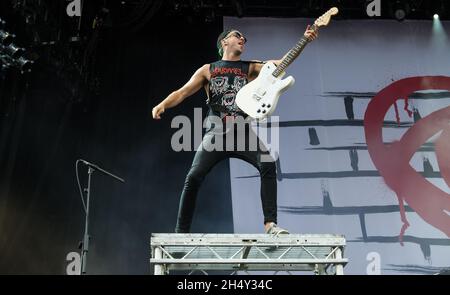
264, 111
258, 111
268, 105
263, 105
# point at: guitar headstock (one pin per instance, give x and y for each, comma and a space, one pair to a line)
325, 18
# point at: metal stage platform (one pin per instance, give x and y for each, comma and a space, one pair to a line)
319, 254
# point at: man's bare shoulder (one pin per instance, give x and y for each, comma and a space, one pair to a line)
204, 69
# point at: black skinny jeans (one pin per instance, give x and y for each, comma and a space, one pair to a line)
205, 159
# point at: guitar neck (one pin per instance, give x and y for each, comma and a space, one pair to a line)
292, 55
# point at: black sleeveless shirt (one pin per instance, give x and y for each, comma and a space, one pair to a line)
227, 78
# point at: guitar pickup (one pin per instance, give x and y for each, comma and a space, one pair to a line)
261, 92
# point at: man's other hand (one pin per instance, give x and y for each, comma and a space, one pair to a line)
310, 34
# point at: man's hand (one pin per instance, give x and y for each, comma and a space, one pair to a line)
310, 34
157, 112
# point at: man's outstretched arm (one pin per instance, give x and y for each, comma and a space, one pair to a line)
192, 86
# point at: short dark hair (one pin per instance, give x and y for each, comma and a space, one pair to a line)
220, 38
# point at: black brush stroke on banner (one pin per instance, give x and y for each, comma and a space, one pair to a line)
406, 239
362, 148
348, 210
370, 95
415, 269
338, 174
333, 123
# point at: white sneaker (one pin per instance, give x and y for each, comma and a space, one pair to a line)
275, 230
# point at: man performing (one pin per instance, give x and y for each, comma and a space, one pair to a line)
222, 80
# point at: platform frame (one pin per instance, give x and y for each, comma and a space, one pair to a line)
319, 253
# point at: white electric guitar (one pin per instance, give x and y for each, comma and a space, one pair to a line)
259, 98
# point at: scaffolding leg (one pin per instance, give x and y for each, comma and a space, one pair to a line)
319, 269
159, 268
339, 267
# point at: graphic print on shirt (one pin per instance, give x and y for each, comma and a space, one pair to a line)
223, 89
218, 85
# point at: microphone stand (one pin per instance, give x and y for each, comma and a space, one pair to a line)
86, 237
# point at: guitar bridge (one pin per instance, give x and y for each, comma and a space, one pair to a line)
257, 97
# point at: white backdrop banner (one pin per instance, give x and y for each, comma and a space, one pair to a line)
364, 140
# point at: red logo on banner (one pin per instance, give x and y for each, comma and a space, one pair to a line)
392, 161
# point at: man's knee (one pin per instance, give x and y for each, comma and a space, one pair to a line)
194, 177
